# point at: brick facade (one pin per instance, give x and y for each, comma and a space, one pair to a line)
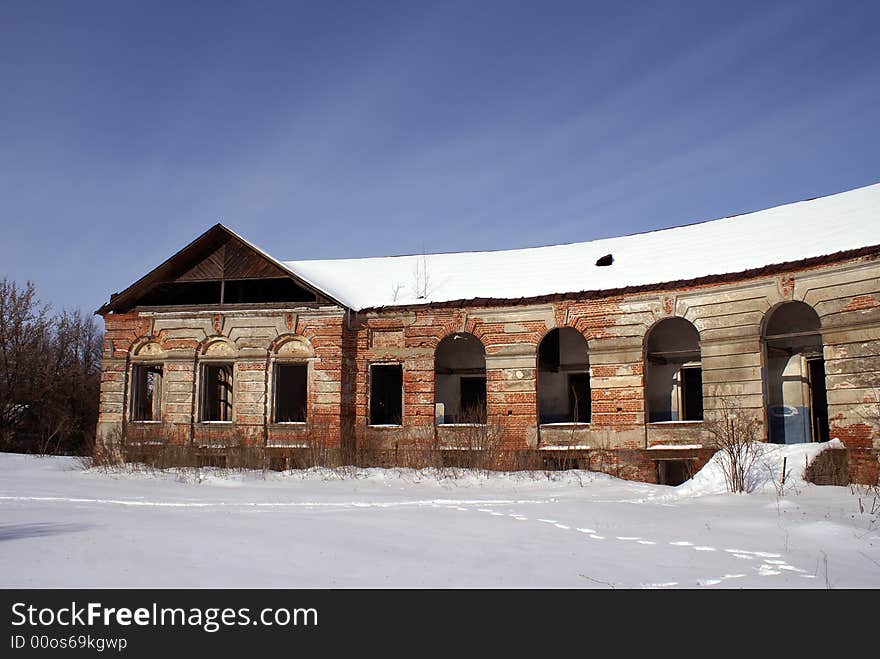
339, 346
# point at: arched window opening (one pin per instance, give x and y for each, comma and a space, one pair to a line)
563, 377
460, 380
673, 372
797, 401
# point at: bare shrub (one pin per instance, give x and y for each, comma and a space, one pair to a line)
477, 443
830, 467
736, 434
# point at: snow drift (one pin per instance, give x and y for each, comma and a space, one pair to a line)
766, 474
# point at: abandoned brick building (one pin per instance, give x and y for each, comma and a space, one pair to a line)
626, 348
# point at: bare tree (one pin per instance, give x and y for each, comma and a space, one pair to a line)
736, 434
24, 325
49, 374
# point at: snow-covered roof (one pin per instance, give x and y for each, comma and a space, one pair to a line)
793, 232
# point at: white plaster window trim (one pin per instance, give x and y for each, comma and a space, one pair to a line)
565, 424
668, 423
461, 425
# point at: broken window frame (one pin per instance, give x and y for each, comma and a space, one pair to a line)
276, 390
684, 390
227, 401
819, 421
135, 395
370, 400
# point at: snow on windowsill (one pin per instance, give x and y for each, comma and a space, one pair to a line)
680, 447
556, 447
452, 447
670, 423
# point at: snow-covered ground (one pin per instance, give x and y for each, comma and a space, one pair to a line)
63, 526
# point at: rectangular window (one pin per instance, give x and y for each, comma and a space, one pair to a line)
146, 392
579, 397
386, 394
691, 393
472, 407
216, 388
291, 392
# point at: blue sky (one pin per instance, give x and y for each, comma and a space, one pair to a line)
334, 129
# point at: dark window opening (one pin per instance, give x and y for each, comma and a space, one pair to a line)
818, 400
216, 389
673, 472
146, 392
608, 259
230, 291
291, 392
386, 394
579, 397
182, 293
691, 393
473, 400
243, 291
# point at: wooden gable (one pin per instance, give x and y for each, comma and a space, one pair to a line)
209, 263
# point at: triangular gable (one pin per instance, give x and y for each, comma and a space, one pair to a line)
218, 254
